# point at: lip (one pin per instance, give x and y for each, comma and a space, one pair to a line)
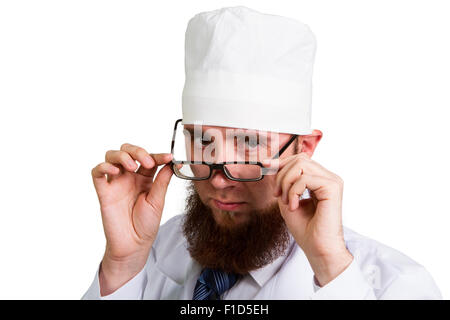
230, 206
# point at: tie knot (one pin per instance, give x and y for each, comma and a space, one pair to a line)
215, 282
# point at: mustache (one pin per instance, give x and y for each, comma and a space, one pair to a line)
237, 249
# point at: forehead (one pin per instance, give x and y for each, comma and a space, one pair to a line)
190, 128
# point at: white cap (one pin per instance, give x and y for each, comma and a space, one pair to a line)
246, 69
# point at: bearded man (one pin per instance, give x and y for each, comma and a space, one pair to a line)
262, 220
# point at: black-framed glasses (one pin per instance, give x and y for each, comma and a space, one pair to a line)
243, 171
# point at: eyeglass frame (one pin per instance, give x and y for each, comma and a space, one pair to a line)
221, 166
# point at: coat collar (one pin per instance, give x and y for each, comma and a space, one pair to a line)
262, 275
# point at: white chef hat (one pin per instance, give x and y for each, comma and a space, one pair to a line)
246, 69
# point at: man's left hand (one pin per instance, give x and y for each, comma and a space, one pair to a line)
316, 223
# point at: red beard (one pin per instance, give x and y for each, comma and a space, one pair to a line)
239, 249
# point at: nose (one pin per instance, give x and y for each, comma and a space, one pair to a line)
219, 180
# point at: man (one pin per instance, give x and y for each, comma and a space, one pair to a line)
242, 236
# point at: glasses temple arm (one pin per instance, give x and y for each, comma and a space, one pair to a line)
285, 147
172, 145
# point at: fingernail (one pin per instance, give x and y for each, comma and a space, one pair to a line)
291, 206
149, 162
131, 163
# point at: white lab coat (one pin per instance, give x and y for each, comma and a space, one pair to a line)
376, 272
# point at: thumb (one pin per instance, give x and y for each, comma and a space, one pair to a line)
157, 193
299, 218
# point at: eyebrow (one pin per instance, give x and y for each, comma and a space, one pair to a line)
191, 131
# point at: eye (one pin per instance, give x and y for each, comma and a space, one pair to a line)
200, 141
251, 143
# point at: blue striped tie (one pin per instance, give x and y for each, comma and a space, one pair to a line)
212, 283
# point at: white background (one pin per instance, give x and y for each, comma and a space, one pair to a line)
78, 78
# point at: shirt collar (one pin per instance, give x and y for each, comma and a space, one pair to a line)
170, 264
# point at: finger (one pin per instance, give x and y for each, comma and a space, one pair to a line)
313, 183
178, 165
161, 158
297, 215
146, 172
139, 154
158, 159
280, 164
292, 171
282, 161
122, 158
102, 169
277, 163
157, 193
294, 193
280, 180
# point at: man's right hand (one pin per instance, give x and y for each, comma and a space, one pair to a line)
131, 204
